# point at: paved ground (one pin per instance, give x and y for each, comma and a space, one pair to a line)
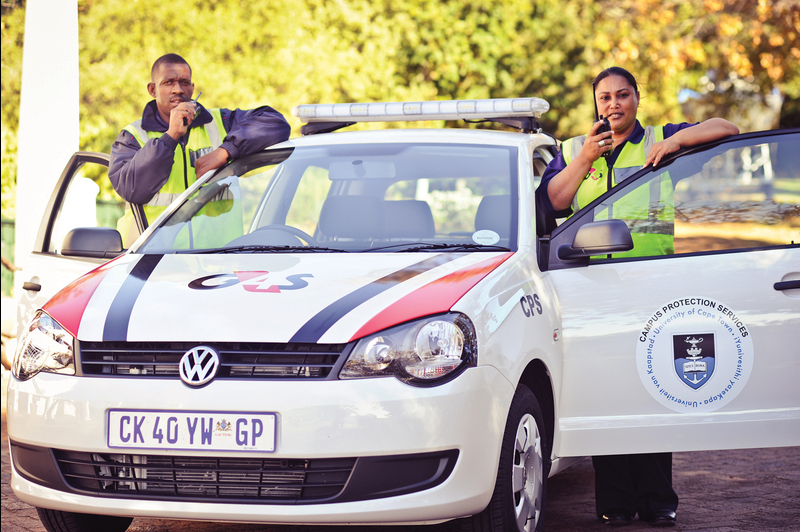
721, 491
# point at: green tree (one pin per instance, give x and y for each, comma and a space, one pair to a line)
733, 53
13, 27
283, 53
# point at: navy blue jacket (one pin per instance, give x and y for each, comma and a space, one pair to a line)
138, 172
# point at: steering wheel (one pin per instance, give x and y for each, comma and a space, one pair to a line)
302, 235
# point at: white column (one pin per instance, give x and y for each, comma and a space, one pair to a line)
48, 116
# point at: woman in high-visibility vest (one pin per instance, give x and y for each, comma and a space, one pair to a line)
589, 165
625, 485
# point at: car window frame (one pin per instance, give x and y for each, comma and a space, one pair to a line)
273, 156
56, 201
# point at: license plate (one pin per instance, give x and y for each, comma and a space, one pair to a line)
192, 431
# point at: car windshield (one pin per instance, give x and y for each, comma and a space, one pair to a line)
397, 197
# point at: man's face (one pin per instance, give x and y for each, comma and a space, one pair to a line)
171, 85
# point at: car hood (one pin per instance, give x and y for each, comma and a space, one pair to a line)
325, 298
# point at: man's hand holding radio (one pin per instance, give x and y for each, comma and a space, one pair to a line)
180, 118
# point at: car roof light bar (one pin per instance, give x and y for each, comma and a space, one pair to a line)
433, 110
350, 113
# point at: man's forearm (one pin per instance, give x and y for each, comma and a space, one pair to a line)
252, 131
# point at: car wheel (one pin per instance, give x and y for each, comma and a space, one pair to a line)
517, 503
58, 521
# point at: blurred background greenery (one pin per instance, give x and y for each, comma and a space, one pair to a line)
739, 59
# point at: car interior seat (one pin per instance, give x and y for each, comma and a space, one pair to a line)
352, 217
408, 219
494, 214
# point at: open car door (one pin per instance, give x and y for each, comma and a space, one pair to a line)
696, 346
78, 232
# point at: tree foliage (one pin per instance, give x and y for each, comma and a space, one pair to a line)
732, 53
286, 52
13, 22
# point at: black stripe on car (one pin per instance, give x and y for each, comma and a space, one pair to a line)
314, 328
119, 315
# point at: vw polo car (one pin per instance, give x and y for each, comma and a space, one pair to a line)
375, 327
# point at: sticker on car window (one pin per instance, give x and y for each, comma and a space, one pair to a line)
694, 355
485, 237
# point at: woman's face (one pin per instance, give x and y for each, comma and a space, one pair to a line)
617, 101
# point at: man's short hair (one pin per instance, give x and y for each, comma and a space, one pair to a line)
168, 59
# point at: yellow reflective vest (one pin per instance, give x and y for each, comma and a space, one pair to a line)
647, 210
202, 140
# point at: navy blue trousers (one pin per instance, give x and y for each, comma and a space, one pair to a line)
636, 483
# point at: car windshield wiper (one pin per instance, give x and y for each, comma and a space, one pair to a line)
410, 247
268, 249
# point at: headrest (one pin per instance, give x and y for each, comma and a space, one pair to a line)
494, 213
352, 217
408, 219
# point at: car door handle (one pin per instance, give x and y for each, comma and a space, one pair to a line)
33, 287
787, 285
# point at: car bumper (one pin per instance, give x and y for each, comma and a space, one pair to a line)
316, 420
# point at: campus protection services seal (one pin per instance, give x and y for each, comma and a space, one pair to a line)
694, 354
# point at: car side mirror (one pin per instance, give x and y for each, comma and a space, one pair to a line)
598, 238
95, 242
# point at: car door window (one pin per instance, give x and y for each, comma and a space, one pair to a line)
740, 195
747, 196
88, 201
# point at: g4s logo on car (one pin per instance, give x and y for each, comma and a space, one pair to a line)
253, 281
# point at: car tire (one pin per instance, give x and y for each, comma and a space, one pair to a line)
58, 521
518, 500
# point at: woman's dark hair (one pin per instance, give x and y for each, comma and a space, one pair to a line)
615, 71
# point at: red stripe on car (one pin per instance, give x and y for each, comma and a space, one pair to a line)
435, 297
67, 306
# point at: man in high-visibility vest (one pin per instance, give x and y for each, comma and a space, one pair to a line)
156, 158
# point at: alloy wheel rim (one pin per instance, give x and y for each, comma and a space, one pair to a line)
527, 473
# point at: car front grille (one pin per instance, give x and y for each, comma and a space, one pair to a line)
202, 478
238, 360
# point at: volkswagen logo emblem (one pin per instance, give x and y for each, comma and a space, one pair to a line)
199, 365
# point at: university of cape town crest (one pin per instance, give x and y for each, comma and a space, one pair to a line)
694, 354
694, 358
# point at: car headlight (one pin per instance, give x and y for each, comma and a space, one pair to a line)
45, 346
431, 350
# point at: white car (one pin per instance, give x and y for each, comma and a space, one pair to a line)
375, 327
